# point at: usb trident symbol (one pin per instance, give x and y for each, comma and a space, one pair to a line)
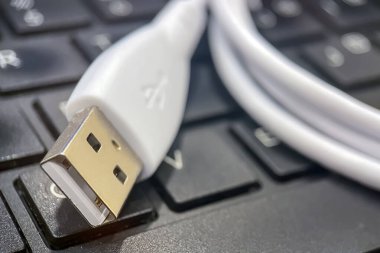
155, 95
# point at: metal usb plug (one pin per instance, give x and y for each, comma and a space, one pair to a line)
93, 166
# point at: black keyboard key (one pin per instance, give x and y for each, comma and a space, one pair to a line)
93, 43
347, 14
115, 10
42, 15
283, 20
18, 142
10, 239
49, 108
204, 166
349, 60
207, 95
282, 162
39, 62
62, 225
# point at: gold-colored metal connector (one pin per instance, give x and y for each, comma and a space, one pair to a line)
93, 166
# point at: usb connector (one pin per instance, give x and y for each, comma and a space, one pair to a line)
93, 166
125, 113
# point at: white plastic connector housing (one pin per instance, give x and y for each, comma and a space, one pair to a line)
141, 82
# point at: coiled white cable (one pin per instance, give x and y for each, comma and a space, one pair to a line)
315, 118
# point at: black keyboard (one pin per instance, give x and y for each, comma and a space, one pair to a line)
227, 184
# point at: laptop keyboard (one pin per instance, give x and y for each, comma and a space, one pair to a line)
220, 157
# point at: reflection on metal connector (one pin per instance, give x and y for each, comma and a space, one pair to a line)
93, 166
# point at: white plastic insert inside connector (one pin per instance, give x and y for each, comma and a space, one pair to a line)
77, 190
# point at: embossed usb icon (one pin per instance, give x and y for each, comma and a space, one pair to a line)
155, 94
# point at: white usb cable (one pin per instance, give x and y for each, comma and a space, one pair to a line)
315, 118
125, 112
141, 82
127, 108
